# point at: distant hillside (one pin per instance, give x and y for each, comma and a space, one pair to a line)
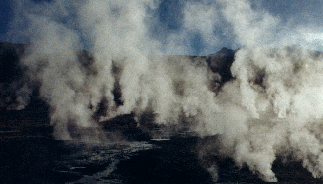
221, 62
10, 69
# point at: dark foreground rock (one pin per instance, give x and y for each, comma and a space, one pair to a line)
44, 160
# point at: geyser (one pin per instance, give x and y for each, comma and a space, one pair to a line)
271, 106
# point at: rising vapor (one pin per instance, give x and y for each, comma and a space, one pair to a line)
271, 107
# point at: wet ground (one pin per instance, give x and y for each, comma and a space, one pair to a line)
29, 154
40, 159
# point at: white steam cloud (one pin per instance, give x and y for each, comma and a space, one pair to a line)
272, 106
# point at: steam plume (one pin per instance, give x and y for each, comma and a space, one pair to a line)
271, 107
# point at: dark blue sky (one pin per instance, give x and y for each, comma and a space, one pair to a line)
5, 15
307, 15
